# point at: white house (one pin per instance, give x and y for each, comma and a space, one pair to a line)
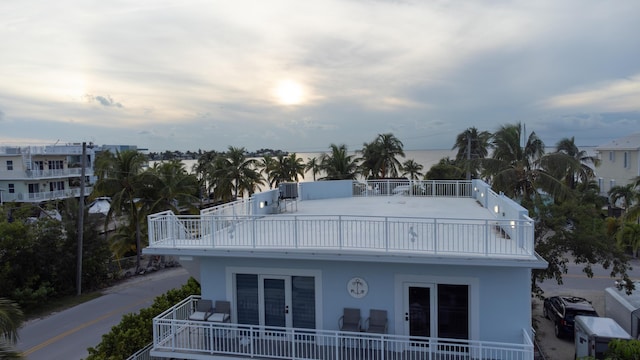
619, 162
34, 174
443, 269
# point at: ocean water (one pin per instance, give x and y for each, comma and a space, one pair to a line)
427, 158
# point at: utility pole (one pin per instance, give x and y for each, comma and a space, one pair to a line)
81, 218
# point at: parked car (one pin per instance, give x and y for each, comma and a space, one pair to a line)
562, 311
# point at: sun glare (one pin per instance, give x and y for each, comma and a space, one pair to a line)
289, 92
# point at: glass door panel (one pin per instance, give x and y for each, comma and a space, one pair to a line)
453, 311
303, 297
247, 299
418, 314
275, 307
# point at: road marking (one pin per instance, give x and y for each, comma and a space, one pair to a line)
80, 327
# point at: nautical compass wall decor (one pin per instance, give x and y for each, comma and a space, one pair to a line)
357, 287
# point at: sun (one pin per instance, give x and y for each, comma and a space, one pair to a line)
289, 92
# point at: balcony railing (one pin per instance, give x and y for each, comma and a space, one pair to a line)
45, 174
45, 195
431, 188
175, 335
418, 236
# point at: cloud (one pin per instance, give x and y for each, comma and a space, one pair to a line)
103, 100
616, 95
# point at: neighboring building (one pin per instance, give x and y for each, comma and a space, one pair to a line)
446, 266
619, 162
34, 174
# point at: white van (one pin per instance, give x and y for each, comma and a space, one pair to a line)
593, 334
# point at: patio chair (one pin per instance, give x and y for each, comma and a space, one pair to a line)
222, 312
377, 322
350, 320
204, 309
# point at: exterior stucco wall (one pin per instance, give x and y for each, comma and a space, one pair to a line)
613, 169
500, 301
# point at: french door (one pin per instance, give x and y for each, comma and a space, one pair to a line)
436, 310
419, 308
275, 300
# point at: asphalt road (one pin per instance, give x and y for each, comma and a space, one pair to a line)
67, 335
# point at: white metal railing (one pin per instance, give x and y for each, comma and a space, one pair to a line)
444, 188
427, 236
173, 333
236, 208
44, 195
46, 173
143, 354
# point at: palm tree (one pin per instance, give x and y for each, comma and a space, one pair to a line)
295, 167
267, 165
629, 236
242, 171
10, 321
278, 172
203, 168
412, 169
313, 165
515, 170
219, 180
580, 163
624, 194
338, 165
123, 184
379, 158
171, 188
369, 166
472, 146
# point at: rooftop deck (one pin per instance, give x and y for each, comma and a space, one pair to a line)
394, 224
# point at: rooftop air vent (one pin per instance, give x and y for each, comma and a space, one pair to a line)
288, 190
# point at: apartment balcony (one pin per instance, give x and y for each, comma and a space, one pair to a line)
44, 196
44, 174
175, 336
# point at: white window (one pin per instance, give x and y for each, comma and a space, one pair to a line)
626, 160
612, 156
12, 188
9, 164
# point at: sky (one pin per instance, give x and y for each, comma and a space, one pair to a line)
301, 75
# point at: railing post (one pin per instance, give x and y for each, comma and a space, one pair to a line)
212, 226
171, 229
295, 231
487, 233
253, 234
386, 233
340, 231
435, 236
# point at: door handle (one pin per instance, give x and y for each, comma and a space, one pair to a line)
406, 316
286, 309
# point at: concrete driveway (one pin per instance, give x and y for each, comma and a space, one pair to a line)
552, 347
